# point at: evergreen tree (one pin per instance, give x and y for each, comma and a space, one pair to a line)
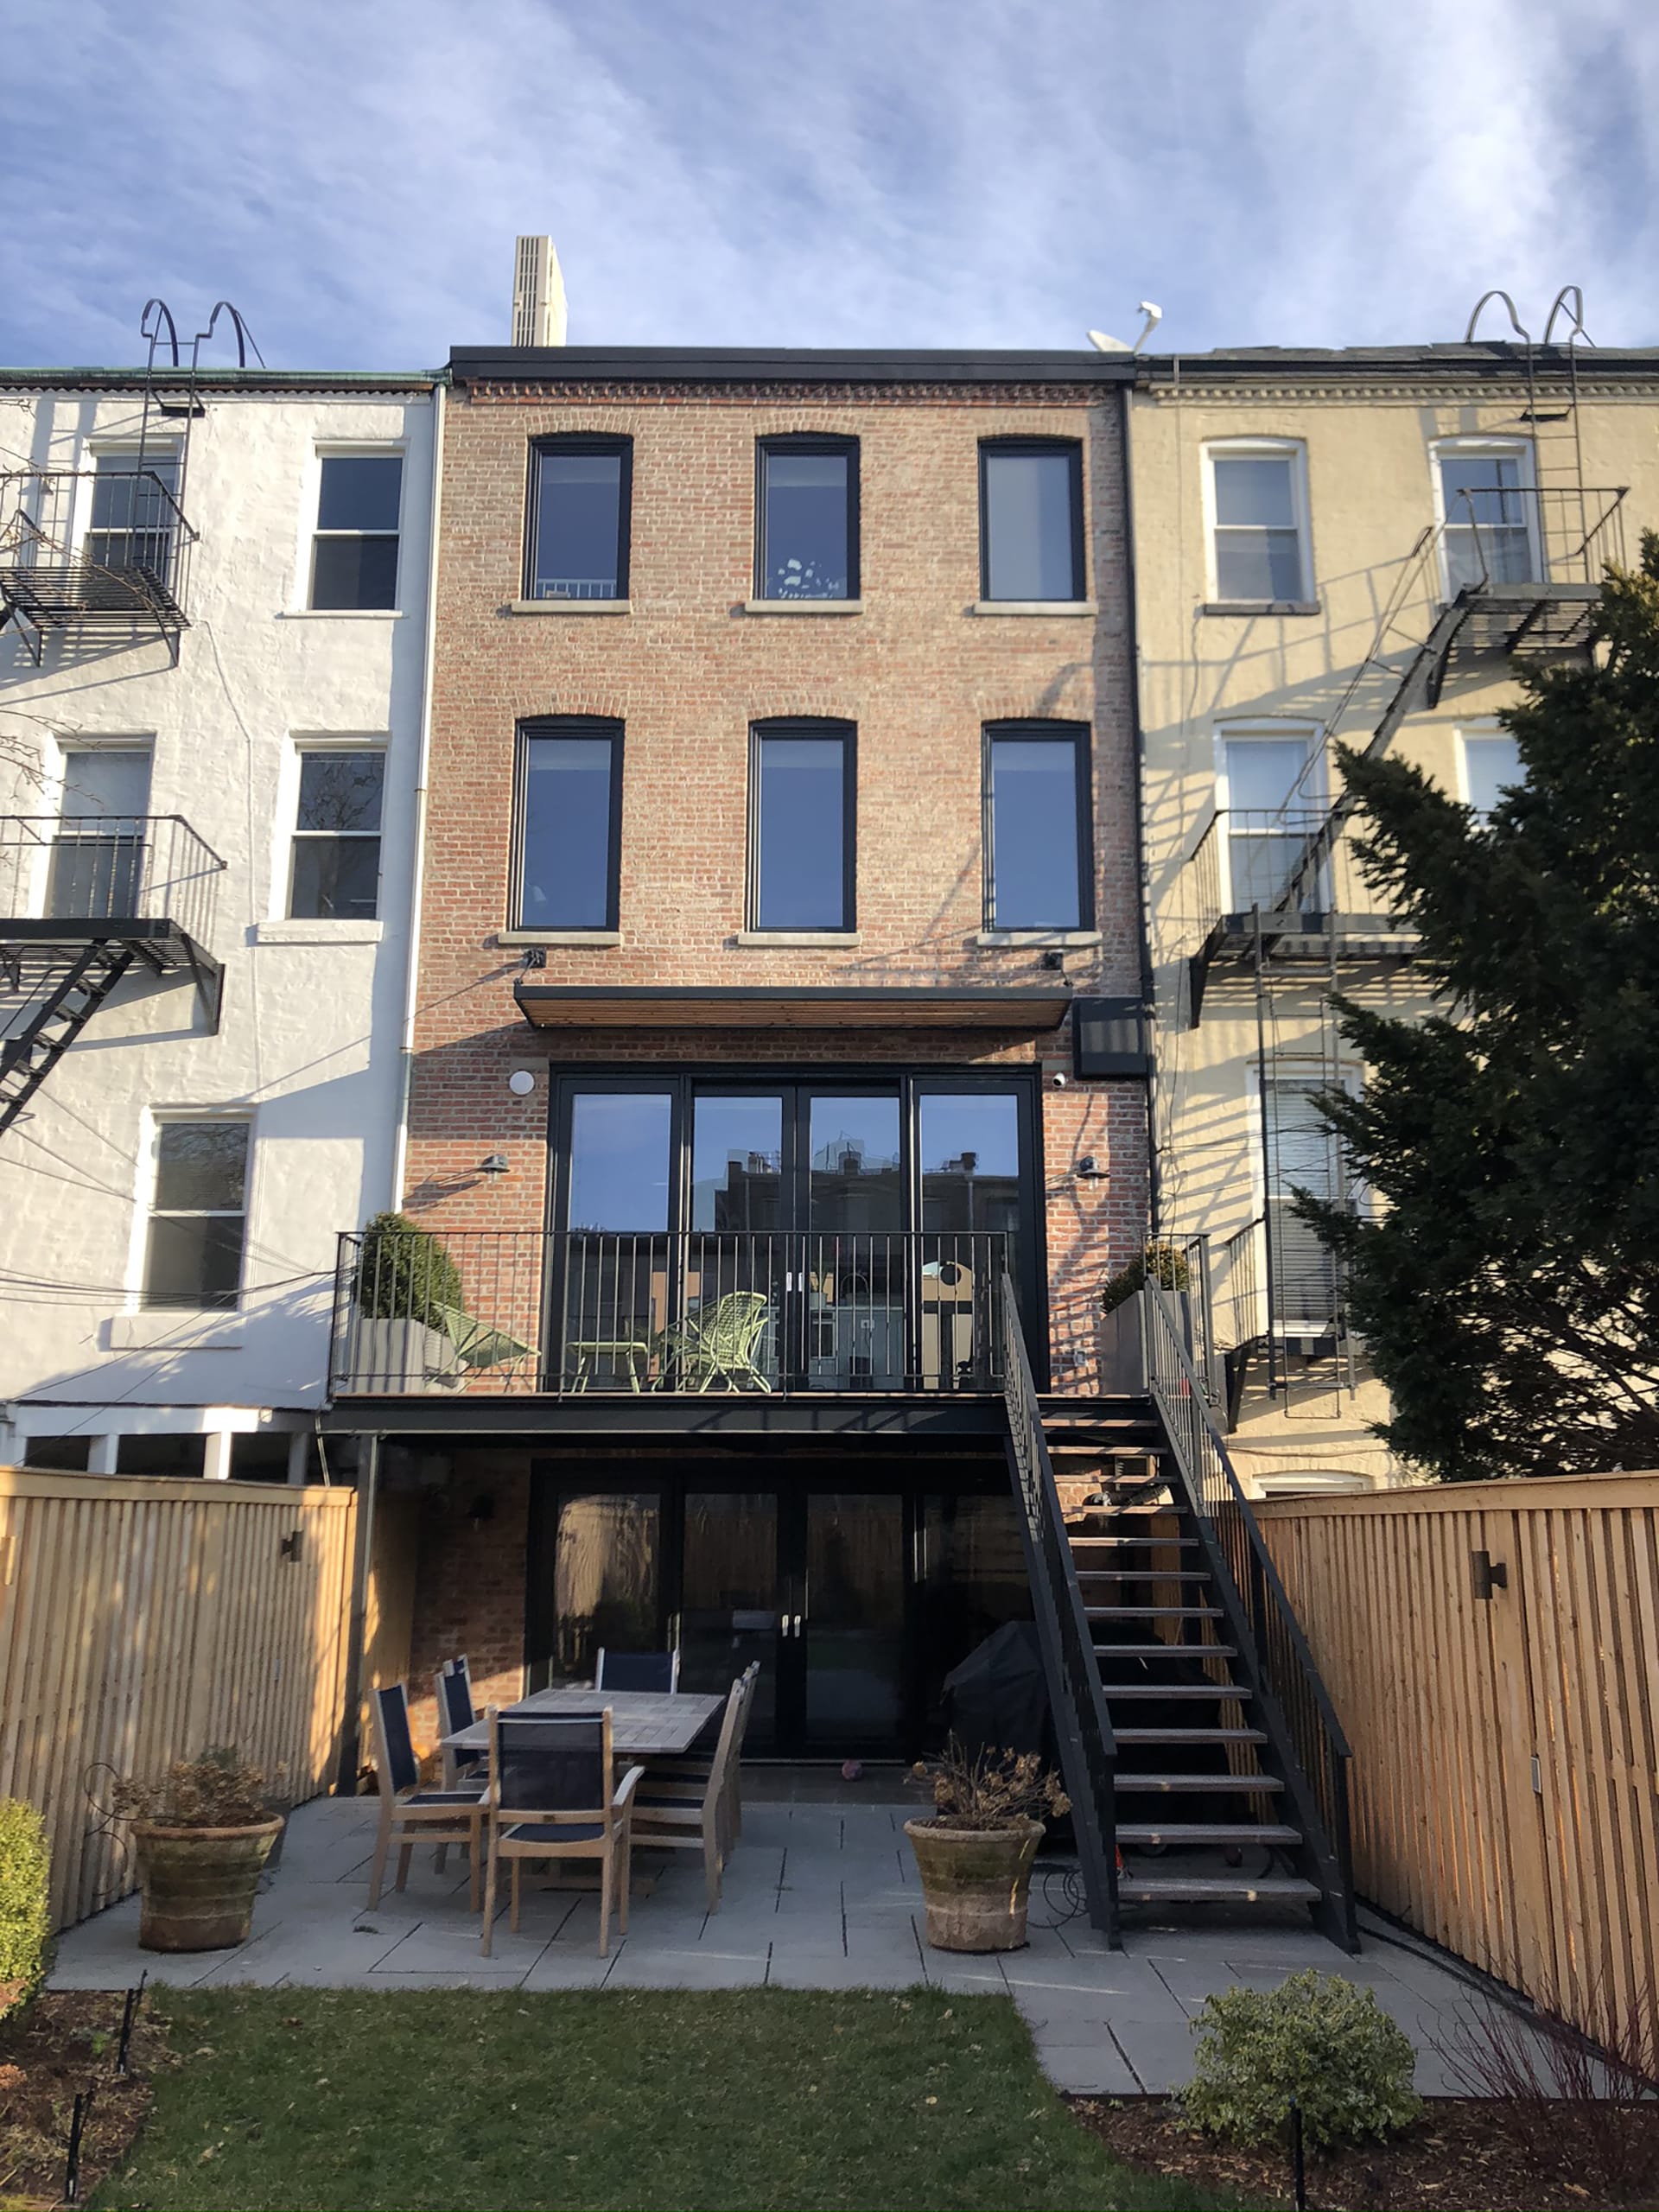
1507, 1284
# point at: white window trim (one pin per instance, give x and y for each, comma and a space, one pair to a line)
300, 741
1470, 446
348, 449
1465, 733
1292, 449
153, 1121
113, 449
1314, 799
54, 790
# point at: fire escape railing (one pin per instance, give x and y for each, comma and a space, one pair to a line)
137, 873
1291, 1703
1083, 1728
84, 547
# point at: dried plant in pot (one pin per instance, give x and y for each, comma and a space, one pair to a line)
202, 1835
975, 1854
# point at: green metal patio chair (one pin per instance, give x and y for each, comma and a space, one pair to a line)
720, 1344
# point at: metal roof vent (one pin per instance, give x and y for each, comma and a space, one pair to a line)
538, 310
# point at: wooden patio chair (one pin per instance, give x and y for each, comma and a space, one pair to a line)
669, 1819
721, 1343
657, 1671
552, 1797
686, 1777
410, 1814
455, 1712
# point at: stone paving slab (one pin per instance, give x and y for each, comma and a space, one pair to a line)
817, 1897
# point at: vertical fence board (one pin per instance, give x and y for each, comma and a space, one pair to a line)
1449, 1699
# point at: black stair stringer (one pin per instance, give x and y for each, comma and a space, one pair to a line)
70, 1001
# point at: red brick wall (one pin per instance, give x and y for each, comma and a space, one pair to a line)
688, 671
469, 1585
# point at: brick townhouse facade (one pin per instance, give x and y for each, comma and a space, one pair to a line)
781, 959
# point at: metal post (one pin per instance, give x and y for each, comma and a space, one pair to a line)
1267, 1152
368, 1483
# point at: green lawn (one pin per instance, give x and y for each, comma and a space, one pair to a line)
453, 2099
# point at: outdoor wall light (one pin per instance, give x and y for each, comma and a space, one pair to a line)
1089, 1166
481, 1510
495, 1165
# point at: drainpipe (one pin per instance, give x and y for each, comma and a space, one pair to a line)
351, 1752
411, 987
1147, 982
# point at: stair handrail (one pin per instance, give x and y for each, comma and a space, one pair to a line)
1082, 1727
1279, 1653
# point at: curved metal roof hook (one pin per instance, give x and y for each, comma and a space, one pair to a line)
1515, 319
1576, 293
244, 341
156, 312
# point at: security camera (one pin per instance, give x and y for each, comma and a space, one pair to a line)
1060, 1081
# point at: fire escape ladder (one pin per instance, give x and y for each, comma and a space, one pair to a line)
72, 997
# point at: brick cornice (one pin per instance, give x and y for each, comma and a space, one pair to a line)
819, 397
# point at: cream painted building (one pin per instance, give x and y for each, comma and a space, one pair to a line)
1331, 545
212, 677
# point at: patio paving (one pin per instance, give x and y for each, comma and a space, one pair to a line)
818, 1896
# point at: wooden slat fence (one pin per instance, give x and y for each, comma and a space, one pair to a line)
1506, 1748
140, 1621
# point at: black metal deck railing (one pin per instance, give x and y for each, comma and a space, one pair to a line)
1083, 1727
769, 1312
87, 548
135, 871
1292, 1701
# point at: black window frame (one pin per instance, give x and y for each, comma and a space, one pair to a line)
567, 726
1028, 731
581, 441
1072, 448
299, 835
809, 726
807, 442
153, 1300
318, 533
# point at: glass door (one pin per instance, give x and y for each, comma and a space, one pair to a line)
848, 1648
612, 1279
731, 1599
595, 1560
851, 1203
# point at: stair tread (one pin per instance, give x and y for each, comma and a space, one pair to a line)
1166, 1650
1173, 1689
1151, 1889
1153, 1612
1197, 1781
1206, 1831
1176, 1543
1189, 1735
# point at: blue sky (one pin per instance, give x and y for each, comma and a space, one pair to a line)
352, 173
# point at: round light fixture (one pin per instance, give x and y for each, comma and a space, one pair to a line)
521, 1083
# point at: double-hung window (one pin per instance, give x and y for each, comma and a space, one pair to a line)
1270, 792
1258, 523
580, 493
198, 1216
336, 871
1491, 765
355, 552
801, 825
806, 519
1031, 519
135, 514
1489, 510
570, 824
1039, 866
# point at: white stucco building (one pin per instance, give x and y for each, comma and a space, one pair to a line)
212, 681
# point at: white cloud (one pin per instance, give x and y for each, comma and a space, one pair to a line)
943, 172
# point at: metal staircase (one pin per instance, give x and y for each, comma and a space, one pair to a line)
1206, 1766
70, 999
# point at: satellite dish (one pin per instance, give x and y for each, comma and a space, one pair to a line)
1104, 344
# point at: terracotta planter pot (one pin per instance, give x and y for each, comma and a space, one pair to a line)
198, 1884
974, 1882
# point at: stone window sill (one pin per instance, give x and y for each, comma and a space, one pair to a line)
1261, 606
1078, 939
318, 931
759, 939
802, 606
340, 615
570, 607
1065, 609
598, 939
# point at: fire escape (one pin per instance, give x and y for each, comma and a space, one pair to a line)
1509, 572
93, 896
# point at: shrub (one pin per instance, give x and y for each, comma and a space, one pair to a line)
404, 1273
1319, 2039
1167, 1265
221, 1789
997, 1790
25, 1917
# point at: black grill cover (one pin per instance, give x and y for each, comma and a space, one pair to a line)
997, 1699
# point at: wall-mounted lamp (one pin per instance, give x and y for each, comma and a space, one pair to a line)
495, 1165
481, 1510
1089, 1167
294, 1545
1054, 959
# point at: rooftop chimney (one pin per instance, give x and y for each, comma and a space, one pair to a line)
538, 313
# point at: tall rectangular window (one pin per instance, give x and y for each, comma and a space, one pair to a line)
355, 552
1038, 847
570, 825
806, 537
198, 1217
135, 514
1256, 507
801, 826
1031, 519
581, 494
335, 873
1491, 766
1489, 507
1271, 793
